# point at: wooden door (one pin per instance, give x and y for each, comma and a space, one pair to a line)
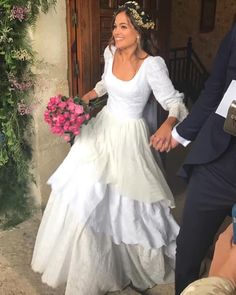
73, 73
89, 30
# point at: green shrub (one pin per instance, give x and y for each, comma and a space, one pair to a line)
16, 101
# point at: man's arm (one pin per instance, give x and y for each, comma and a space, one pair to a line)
212, 93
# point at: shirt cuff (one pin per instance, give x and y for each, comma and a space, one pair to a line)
179, 138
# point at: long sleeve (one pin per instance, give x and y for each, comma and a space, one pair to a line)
100, 87
169, 98
210, 286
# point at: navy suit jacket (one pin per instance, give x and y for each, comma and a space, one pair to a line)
203, 125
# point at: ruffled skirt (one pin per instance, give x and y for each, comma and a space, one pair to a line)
107, 222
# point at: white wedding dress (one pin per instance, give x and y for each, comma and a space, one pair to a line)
107, 222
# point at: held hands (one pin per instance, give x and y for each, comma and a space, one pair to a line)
162, 139
89, 96
223, 263
174, 143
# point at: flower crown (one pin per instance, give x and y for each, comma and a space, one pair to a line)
141, 18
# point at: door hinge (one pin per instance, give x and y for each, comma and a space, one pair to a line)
74, 18
76, 69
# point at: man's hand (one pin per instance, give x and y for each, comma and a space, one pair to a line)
174, 143
161, 139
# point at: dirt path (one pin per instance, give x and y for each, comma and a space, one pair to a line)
16, 247
16, 276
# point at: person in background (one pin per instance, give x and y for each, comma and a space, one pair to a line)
222, 274
107, 223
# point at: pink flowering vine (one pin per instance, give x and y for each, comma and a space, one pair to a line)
21, 86
19, 13
23, 108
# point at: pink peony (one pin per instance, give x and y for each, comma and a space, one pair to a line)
71, 106
66, 137
61, 119
62, 105
77, 132
79, 109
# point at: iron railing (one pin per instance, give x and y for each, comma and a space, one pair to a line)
187, 72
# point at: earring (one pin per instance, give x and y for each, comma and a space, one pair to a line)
138, 42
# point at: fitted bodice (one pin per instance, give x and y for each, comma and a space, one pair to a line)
127, 98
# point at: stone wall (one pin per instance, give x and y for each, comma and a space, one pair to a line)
186, 22
50, 42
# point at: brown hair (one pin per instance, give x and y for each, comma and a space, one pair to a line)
148, 37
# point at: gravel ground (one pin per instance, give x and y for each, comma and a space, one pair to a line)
16, 276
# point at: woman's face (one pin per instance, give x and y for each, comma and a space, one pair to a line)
124, 33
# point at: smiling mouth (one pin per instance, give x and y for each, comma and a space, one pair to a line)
119, 39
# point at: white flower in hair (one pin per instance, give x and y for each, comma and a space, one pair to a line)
140, 17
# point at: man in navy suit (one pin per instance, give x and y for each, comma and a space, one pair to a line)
210, 167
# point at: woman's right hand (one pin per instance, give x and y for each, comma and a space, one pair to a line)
89, 96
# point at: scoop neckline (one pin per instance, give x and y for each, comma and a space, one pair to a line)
136, 74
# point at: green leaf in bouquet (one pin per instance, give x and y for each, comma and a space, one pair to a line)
64, 98
78, 100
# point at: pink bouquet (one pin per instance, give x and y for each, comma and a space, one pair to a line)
65, 115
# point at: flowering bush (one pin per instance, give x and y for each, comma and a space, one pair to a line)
16, 104
19, 13
66, 115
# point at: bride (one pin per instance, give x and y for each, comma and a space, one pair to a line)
107, 223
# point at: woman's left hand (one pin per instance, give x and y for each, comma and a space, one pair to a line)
161, 139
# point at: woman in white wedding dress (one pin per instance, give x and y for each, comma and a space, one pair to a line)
107, 223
